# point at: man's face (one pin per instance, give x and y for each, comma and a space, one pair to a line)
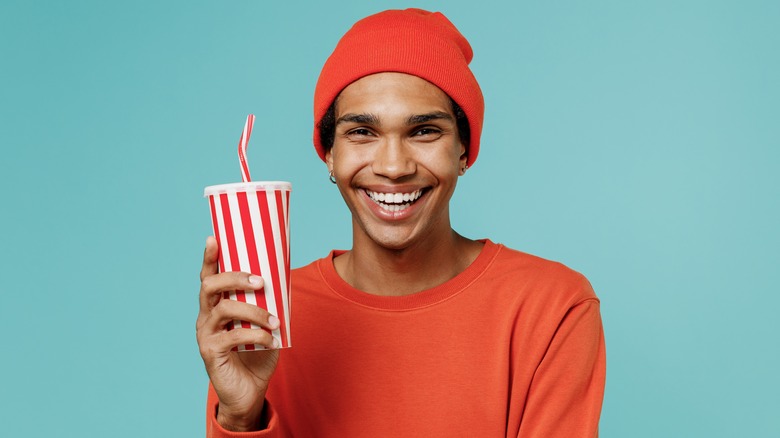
396, 157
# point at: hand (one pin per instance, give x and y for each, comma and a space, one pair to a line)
240, 379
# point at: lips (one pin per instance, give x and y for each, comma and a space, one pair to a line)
394, 202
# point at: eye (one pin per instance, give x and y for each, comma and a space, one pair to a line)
360, 132
428, 132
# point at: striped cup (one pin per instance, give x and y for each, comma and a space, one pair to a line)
252, 227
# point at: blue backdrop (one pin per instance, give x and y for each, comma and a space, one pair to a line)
637, 142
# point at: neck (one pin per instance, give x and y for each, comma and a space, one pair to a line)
394, 272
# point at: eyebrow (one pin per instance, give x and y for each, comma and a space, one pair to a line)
424, 118
371, 119
368, 119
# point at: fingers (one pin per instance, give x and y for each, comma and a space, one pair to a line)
212, 286
214, 338
216, 313
228, 310
219, 344
237, 337
210, 258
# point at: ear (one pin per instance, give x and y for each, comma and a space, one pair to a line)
329, 159
462, 161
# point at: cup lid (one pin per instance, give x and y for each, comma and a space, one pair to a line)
252, 186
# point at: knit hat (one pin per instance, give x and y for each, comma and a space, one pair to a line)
412, 41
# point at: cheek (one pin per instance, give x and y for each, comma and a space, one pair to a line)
445, 160
347, 162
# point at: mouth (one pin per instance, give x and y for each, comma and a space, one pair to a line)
395, 202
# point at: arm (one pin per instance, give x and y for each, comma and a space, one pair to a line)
268, 421
239, 379
567, 390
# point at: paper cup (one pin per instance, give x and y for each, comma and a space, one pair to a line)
251, 224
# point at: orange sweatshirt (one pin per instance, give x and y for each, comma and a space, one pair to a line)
512, 346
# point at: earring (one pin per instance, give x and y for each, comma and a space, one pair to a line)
464, 169
331, 177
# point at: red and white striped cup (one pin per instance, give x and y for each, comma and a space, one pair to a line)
252, 227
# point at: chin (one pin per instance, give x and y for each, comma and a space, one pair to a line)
390, 241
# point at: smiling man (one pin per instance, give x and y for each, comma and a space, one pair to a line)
417, 330
396, 157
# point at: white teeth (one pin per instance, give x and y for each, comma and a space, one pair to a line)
394, 201
395, 207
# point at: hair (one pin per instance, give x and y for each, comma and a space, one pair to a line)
327, 125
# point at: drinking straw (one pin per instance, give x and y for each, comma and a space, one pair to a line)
242, 144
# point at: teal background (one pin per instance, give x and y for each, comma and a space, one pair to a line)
637, 142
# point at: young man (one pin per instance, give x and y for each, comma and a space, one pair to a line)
416, 331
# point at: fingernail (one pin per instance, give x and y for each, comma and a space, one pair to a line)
273, 322
276, 343
255, 280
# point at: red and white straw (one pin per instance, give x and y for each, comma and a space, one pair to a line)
242, 144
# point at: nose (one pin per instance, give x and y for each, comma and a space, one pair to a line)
393, 159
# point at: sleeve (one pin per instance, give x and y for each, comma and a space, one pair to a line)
567, 390
215, 430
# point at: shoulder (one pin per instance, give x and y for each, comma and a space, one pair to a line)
316, 274
308, 272
537, 277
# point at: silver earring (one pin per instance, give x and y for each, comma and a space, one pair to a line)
331, 177
465, 168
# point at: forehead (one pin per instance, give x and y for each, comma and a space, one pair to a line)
392, 92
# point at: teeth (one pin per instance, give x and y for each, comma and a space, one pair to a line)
394, 201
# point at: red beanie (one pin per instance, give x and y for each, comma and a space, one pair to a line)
412, 41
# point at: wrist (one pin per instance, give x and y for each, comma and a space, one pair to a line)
249, 422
